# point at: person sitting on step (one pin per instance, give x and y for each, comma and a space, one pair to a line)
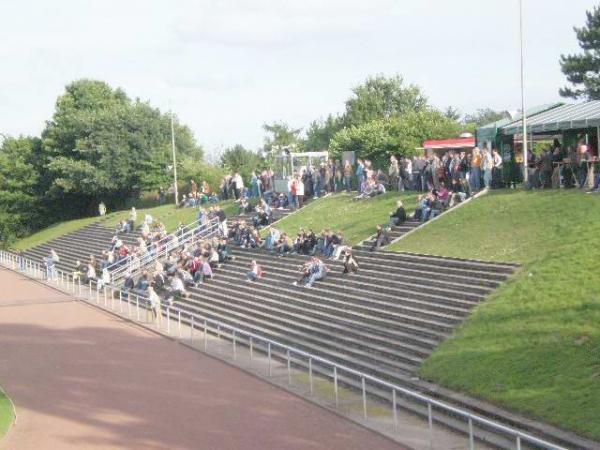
255, 273
312, 271
381, 238
399, 216
350, 262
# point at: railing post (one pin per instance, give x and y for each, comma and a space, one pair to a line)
105, 300
234, 349
289, 366
310, 375
269, 356
430, 423
112, 298
137, 306
205, 335
79, 283
120, 301
364, 397
471, 437
251, 349
335, 387
179, 321
90, 292
518, 442
129, 304
395, 406
218, 331
97, 294
192, 330
168, 320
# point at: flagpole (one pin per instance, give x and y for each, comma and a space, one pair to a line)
174, 160
523, 113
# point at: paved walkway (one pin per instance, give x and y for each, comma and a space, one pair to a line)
83, 379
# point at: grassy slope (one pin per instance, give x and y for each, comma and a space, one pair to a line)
6, 414
168, 214
357, 220
535, 345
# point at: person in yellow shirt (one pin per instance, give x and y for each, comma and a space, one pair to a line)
475, 174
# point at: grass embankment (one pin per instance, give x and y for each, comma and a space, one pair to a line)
6, 414
534, 346
357, 220
167, 214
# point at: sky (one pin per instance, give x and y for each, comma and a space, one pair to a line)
228, 67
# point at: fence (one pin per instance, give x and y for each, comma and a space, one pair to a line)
132, 305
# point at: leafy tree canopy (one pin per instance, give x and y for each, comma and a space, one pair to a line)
382, 97
583, 70
101, 145
484, 116
320, 133
242, 160
280, 134
399, 135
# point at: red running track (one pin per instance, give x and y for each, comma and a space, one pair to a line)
83, 379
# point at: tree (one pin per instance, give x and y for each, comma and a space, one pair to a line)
484, 116
320, 133
380, 97
20, 206
280, 134
239, 159
400, 135
452, 113
583, 70
100, 145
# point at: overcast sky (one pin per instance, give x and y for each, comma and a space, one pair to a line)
227, 67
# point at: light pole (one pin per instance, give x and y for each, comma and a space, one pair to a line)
523, 113
174, 161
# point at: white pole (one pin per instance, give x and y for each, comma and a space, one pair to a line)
174, 160
523, 113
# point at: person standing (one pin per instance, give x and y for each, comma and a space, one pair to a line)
487, 163
155, 305
102, 209
348, 176
475, 175
497, 169
394, 173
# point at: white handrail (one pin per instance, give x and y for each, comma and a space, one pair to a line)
26, 265
173, 241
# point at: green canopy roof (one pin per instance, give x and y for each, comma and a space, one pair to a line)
565, 117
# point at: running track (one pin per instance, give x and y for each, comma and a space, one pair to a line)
83, 379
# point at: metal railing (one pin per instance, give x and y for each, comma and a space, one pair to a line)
189, 234
131, 304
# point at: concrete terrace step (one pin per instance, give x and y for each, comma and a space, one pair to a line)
293, 320
343, 286
396, 286
341, 311
282, 278
285, 336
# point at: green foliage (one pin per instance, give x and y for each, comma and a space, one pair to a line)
100, 145
452, 113
198, 170
401, 135
583, 70
534, 345
7, 415
320, 133
20, 205
380, 97
239, 159
280, 134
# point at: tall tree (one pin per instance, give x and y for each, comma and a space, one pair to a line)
20, 182
320, 133
381, 97
280, 134
239, 159
100, 145
399, 135
583, 70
